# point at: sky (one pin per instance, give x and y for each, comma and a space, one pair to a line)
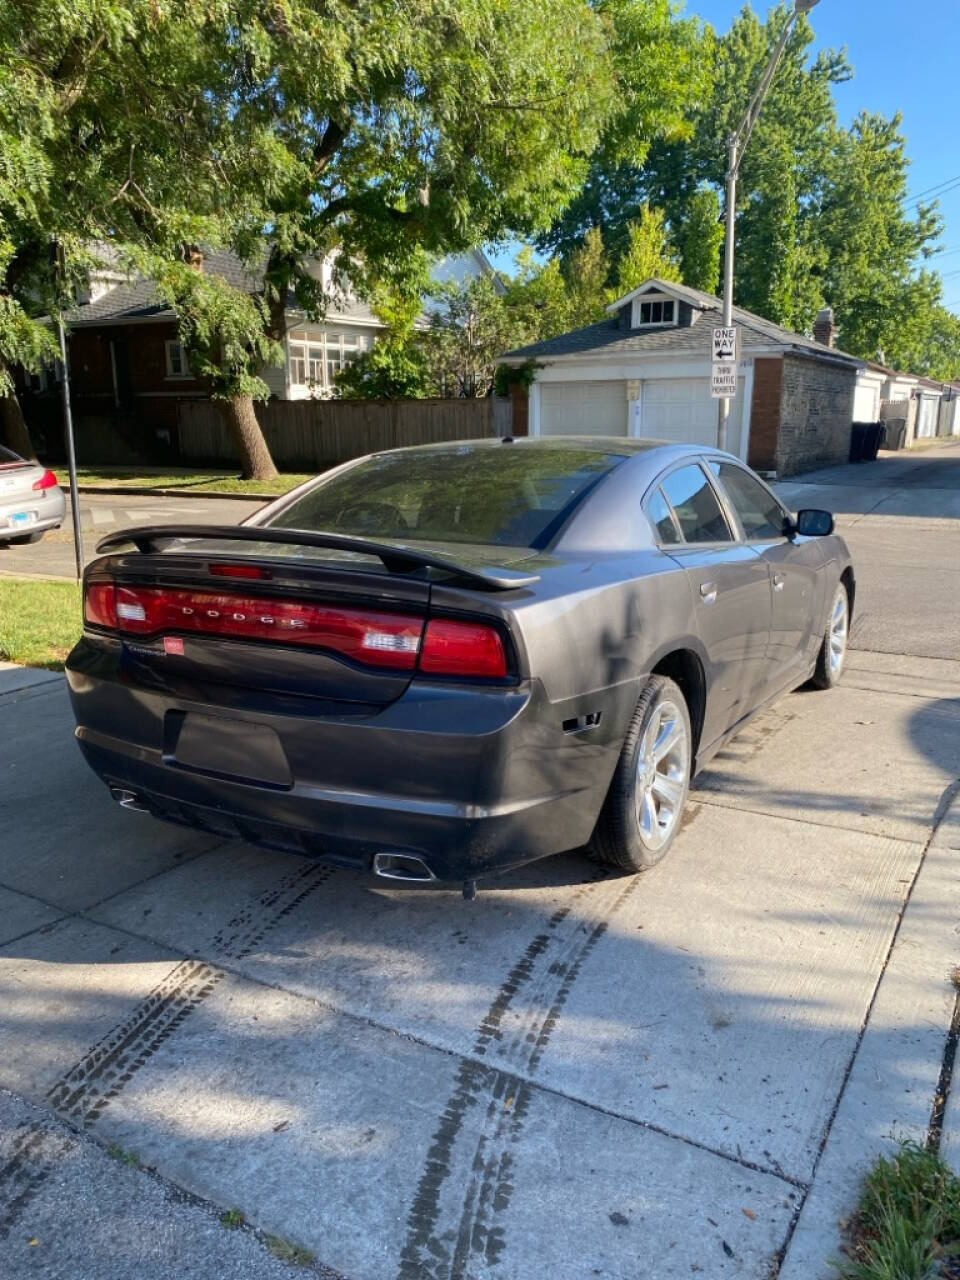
906, 58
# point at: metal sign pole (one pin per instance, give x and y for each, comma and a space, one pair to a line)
71, 453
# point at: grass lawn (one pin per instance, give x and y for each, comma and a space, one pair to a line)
908, 1224
195, 481
39, 621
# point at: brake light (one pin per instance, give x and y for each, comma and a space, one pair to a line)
47, 481
100, 604
240, 571
455, 648
380, 639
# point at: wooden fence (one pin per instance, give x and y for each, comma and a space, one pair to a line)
308, 434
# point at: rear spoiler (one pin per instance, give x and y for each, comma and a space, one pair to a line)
395, 559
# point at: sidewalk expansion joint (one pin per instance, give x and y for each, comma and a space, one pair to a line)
223, 967
949, 794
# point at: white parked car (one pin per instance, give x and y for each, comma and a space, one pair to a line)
31, 500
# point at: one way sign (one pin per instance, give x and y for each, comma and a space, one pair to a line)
725, 345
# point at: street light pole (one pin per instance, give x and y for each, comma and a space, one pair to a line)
56, 256
736, 146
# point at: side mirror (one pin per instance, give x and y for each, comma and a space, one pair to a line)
814, 524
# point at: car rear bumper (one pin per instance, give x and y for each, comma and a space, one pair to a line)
47, 508
467, 780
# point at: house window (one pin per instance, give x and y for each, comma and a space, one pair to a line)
315, 358
177, 366
660, 311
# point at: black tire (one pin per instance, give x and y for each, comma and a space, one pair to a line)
26, 538
827, 675
618, 840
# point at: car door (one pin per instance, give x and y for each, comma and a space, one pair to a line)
795, 565
730, 584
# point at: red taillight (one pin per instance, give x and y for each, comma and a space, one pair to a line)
381, 639
249, 571
47, 481
100, 604
456, 648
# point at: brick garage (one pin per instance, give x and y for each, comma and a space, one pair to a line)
801, 413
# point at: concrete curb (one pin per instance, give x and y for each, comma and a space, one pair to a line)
889, 1093
148, 491
14, 678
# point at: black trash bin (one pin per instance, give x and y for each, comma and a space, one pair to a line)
858, 433
872, 439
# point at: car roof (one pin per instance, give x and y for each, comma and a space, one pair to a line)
623, 446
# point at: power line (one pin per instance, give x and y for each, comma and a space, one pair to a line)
916, 200
935, 187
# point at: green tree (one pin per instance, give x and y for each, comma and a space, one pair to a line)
586, 273
397, 365
872, 246
110, 130
699, 240
398, 129
648, 252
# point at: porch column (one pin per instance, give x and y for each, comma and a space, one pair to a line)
533, 422
634, 407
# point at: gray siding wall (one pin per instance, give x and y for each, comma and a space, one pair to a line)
816, 414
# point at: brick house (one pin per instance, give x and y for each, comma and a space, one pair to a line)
129, 373
645, 371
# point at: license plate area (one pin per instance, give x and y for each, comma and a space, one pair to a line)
20, 518
223, 748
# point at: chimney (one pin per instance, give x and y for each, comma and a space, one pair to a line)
824, 329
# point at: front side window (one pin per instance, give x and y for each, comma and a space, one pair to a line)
758, 511
505, 495
697, 508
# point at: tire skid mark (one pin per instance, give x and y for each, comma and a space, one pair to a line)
34, 1156
427, 1253
476, 1233
83, 1093
87, 1088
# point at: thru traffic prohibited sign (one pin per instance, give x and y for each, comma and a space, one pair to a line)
725, 345
723, 383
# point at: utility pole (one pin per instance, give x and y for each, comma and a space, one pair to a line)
736, 145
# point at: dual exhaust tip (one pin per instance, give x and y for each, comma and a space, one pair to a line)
401, 866
388, 866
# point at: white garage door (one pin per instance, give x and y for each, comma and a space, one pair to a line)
682, 410
583, 409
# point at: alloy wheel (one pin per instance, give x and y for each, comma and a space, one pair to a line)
837, 637
663, 767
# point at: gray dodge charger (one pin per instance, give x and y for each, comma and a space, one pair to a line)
440, 662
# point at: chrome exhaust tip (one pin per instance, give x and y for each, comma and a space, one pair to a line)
128, 800
401, 866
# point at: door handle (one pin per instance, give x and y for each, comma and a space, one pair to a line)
778, 581
708, 592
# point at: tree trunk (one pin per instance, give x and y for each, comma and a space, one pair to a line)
15, 433
241, 419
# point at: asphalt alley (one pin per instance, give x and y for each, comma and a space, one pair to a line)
575, 1075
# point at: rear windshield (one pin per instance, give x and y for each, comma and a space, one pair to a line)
508, 495
8, 459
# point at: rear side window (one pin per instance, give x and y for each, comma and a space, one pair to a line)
507, 495
661, 516
759, 512
695, 503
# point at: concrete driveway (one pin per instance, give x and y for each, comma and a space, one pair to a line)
575, 1075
